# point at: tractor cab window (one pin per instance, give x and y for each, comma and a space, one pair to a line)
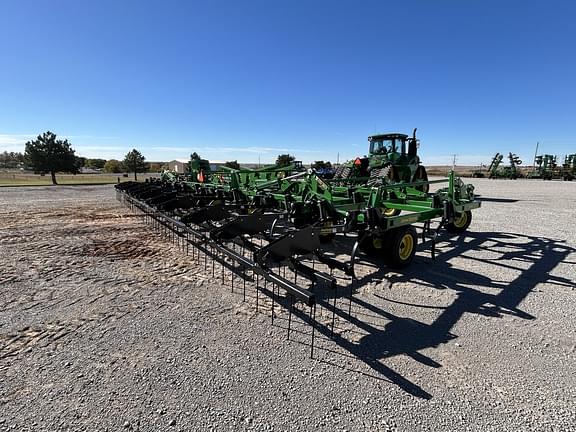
382, 146
401, 145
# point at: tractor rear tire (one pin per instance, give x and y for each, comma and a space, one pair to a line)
461, 223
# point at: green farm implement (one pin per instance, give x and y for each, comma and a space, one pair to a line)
283, 228
569, 167
545, 167
496, 170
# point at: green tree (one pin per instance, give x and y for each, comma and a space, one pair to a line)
11, 160
233, 164
95, 163
134, 161
80, 161
46, 154
285, 160
113, 166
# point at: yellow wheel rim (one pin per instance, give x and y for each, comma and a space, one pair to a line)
389, 212
406, 246
460, 220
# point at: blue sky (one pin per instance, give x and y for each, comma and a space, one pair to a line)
249, 79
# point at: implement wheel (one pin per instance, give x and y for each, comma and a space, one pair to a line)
327, 237
461, 222
390, 212
400, 246
373, 245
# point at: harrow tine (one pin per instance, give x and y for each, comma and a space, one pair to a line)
222, 264
334, 309
350, 297
244, 283
232, 275
273, 300
290, 309
313, 323
257, 291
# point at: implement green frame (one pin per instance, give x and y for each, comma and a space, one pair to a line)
343, 200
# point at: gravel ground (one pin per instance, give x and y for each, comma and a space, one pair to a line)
105, 325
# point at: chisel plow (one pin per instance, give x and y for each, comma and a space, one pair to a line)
275, 232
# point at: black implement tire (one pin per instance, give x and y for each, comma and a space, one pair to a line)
461, 222
373, 245
326, 238
400, 246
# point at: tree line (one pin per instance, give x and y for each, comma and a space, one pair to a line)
11, 160
48, 155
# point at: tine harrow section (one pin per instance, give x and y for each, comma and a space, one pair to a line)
240, 247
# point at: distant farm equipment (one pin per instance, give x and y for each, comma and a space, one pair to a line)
569, 167
496, 170
545, 167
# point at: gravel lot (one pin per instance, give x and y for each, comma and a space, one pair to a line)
105, 325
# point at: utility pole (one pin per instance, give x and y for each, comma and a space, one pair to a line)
536, 153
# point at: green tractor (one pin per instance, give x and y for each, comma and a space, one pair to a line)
392, 158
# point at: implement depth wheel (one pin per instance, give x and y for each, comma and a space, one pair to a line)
461, 222
400, 246
390, 212
373, 245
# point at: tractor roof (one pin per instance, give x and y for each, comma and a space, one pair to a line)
386, 136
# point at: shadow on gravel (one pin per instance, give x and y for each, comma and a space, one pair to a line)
496, 200
536, 256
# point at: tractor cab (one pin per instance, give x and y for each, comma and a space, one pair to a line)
393, 147
387, 144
